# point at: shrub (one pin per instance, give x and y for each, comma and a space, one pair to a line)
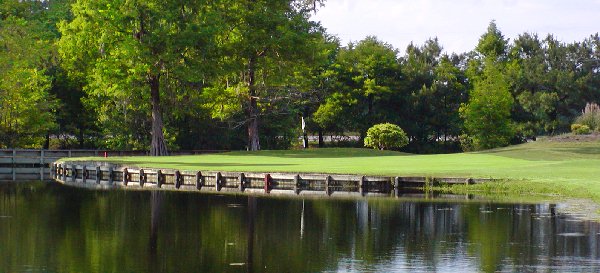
385, 136
466, 143
590, 116
580, 129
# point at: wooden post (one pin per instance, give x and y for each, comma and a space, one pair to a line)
64, 172
52, 171
14, 167
218, 185
125, 176
110, 175
397, 186
73, 173
297, 184
42, 165
142, 177
389, 185
83, 175
159, 178
98, 175
362, 189
177, 179
242, 182
267, 183
327, 183
199, 180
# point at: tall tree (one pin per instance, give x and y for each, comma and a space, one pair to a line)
447, 92
126, 48
26, 54
536, 99
323, 81
492, 43
486, 116
418, 66
265, 41
368, 75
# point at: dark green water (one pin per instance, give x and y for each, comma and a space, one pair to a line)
52, 228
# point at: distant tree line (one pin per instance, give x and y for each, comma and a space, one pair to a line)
230, 74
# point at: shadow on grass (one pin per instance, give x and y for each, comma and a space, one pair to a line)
583, 150
201, 164
546, 153
320, 153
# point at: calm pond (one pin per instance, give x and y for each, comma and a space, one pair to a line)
53, 228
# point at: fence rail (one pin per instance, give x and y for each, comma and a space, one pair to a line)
103, 175
30, 165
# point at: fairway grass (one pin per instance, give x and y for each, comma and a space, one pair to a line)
569, 169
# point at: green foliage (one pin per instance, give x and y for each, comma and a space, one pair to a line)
580, 129
332, 115
26, 107
551, 81
223, 65
437, 87
131, 53
367, 76
492, 43
466, 143
487, 114
590, 117
267, 47
385, 136
540, 105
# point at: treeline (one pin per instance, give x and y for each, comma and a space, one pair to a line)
230, 74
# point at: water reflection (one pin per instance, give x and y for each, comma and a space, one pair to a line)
50, 228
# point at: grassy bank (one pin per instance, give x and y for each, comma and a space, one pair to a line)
565, 168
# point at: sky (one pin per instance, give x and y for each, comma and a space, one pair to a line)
457, 24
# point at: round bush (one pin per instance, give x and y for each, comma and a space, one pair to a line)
385, 136
580, 129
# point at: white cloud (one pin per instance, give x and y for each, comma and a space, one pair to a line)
458, 24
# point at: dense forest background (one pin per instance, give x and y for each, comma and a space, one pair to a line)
241, 74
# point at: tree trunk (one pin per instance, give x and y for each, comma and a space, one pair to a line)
321, 142
47, 141
370, 100
158, 146
80, 137
252, 111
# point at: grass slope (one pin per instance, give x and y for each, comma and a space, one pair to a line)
568, 168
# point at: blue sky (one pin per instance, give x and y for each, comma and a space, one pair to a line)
458, 24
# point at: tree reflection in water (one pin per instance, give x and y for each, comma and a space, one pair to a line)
50, 228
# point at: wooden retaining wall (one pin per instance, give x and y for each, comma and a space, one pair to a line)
31, 165
102, 175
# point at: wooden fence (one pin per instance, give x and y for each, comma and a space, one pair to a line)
31, 165
102, 175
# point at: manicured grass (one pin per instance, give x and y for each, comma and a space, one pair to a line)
566, 168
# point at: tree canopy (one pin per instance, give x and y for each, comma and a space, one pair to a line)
227, 74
